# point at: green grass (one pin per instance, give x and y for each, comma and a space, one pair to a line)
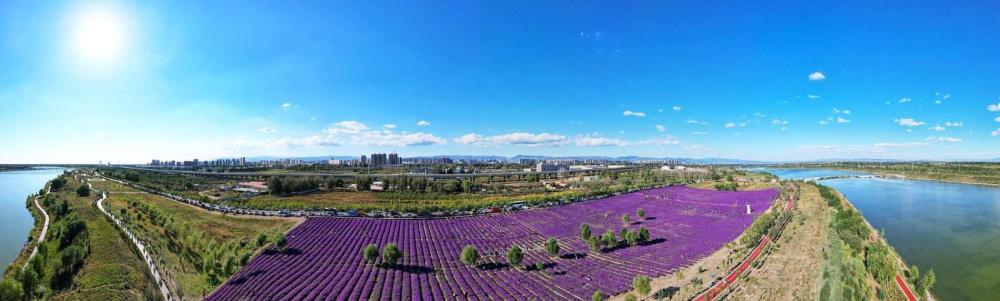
112, 270
181, 258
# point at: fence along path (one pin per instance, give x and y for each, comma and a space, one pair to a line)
138, 244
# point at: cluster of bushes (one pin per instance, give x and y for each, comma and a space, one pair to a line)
58, 258
216, 260
608, 240
391, 254
287, 185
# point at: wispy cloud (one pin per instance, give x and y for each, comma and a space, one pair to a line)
597, 140
389, 126
908, 122
518, 138
842, 120
812, 96
822, 122
905, 100
677, 108
661, 141
692, 121
944, 139
900, 144
994, 108
357, 133
661, 128
995, 132
954, 124
996, 119
937, 128
730, 125
423, 123
635, 114
266, 130
817, 76
699, 133
286, 105
777, 121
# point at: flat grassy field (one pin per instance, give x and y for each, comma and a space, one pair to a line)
112, 271
182, 260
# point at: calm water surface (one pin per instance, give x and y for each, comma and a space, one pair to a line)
951, 228
15, 186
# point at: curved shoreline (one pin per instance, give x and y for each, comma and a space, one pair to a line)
45, 228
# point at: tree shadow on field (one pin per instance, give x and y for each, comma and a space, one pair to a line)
287, 251
573, 256
413, 269
649, 218
493, 266
653, 242
243, 279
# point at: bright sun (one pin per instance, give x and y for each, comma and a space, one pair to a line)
98, 35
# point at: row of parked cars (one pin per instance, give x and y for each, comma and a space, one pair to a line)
514, 206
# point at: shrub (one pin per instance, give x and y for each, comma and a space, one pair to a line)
83, 190
594, 243
641, 213
539, 266
643, 234
280, 241
515, 256
10, 290
585, 231
391, 254
630, 297
641, 284
370, 252
552, 247
470, 256
632, 238
626, 219
597, 296
609, 239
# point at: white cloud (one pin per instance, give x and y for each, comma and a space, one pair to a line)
660, 141
846, 112
996, 119
266, 130
994, 108
661, 128
423, 123
822, 122
943, 139
836, 111
905, 100
937, 128
777, 121
811, 96
388, 126
358, 133
995, 132
909, 122
596, 140
954, 124
519, 138
692, 121
730, 125
286, 105
636, 114
842, 120
699, 133
900, 144
759, 115
677, 108
817, 76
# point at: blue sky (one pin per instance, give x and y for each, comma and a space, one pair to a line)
205, 79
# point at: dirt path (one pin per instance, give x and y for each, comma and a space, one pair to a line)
41, 234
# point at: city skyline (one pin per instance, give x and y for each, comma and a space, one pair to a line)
123, 82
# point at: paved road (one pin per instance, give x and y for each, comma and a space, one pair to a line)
905, 288
138, 244
45, 228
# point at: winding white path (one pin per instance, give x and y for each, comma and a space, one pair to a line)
138, 244
45, 228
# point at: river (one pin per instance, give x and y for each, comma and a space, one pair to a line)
949, 227
15, 186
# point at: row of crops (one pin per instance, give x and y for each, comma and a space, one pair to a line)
323, 256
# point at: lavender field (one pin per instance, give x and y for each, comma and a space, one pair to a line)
323, 260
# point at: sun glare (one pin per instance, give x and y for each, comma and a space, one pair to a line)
98, 35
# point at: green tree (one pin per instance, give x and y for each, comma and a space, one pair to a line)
643, 234
370, 253
585, 231
29, 281
261, 239
927, 282
609, 239
641, 284
626, 219
594, 243
597, 296
552, 247
641, 213
632, 238
10, 290
280, 241
515, 256
391, 254
84, 190
470, 256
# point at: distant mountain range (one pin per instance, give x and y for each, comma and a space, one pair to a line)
518, 158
